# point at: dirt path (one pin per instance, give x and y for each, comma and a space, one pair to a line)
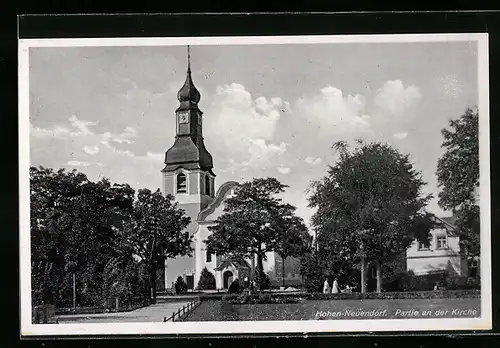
152, 313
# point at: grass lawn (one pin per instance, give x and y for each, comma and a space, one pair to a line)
340, 309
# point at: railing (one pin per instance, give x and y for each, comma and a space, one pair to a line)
184, 311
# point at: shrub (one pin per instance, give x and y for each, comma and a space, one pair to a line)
263, 298
313, 274
461, 283
257, 299
207, 280
266, 282
246, 298
262, 281
180, 286
235, 287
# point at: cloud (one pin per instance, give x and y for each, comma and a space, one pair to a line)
313, 160
284, 170
55, 132
78, 163
122, 138
261, 154
80, 137
155, 156
330, 108
259, 149
91, 150
82, 126
450, 86
396, 98
240, 115
248, 125
400, 135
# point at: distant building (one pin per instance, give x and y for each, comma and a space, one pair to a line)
188, 176
443, 253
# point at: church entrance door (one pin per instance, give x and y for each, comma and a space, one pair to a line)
228, 279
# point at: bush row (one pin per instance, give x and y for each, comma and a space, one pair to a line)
294, 298
259, 299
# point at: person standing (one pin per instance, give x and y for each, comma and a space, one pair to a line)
335, 286
326, 287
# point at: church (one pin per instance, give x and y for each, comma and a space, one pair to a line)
188, 175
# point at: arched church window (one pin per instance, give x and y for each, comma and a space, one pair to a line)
207, 185
181, 183
208, 256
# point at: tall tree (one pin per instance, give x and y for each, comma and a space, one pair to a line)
294, 239
458, 177
73, 224
370, 206
253, 223
156, 231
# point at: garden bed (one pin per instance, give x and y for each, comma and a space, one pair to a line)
345, 309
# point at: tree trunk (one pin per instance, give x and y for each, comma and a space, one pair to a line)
283, 270
260, 269
363, 275
379, 276
152, 282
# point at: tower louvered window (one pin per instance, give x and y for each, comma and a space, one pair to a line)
207, 185
181, 183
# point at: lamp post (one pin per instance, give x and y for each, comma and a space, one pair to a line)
74, 292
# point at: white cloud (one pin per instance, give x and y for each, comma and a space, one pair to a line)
284, 170
400, 135
91, 150
82, 126
260, 149
248, 126
55, 132
155, 156
237, 116
78, 163
396, 98
81, 137
122, 138
450, 86
313, 160
330, 108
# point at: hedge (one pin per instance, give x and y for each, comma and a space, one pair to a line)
276, 298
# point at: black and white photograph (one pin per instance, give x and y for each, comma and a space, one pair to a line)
254, 184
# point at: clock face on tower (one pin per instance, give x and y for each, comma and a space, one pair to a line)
184, 117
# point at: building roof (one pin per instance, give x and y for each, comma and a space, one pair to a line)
189, 151
188, 94
221, 195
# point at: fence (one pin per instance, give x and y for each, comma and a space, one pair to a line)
184, 311
43, 314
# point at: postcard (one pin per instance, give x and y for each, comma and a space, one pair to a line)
278, 184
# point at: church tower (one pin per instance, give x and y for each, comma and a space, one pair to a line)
188, 174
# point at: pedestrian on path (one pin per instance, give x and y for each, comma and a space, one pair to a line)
326, 287
335, 286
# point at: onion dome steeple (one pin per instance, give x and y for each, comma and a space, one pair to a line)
188, 94
188, 151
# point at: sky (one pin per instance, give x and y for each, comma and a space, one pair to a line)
269, 110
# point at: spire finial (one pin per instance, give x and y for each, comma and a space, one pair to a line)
188, 92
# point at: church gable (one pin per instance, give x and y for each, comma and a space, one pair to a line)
216, 208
